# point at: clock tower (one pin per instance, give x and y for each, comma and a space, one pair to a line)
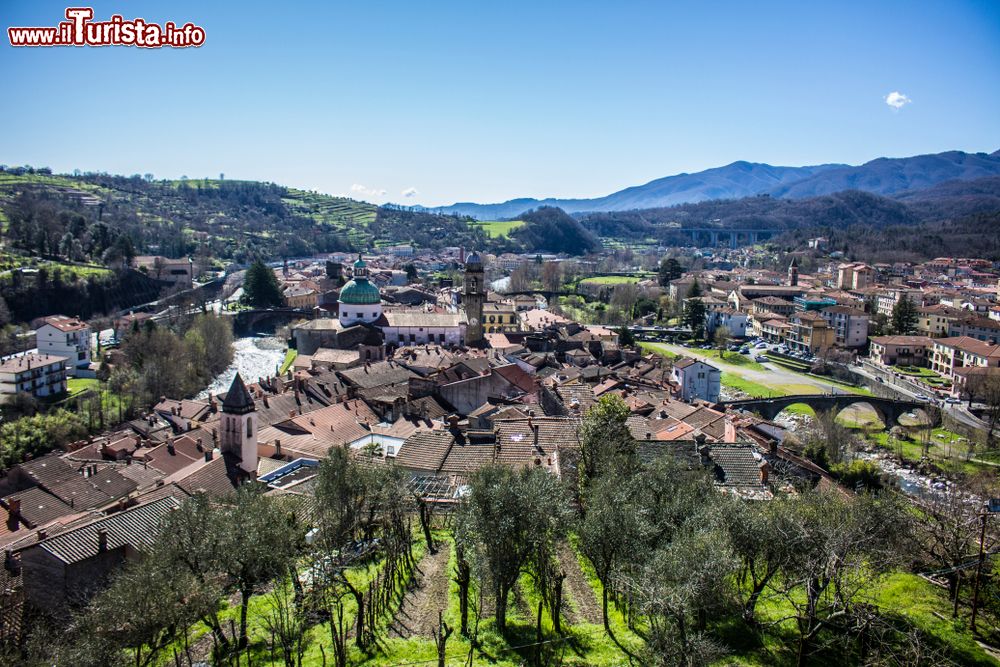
473, 297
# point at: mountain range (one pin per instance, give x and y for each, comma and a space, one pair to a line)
883, 176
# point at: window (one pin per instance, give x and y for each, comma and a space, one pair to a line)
360, 315
249, 428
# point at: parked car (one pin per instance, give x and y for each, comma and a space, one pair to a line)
952, 400
744, 350
760, 358
760, 346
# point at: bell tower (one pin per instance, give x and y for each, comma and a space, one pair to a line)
238, 426
793, 273
473, 297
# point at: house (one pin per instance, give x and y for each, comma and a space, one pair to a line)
935, 320
174, 272
61, 571
901, 350
500, 318
850, 325
67, 337
734, 320
38, 375
696, 380
301, 296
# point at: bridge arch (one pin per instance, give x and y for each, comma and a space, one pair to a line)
888, 410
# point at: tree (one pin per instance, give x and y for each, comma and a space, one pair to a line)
625, 337
613, 529
260, 287
844, 546
694, 311
670, 269
904, 316
508, 519
240, 544
552, 276
411, 272
722, 337
605, 438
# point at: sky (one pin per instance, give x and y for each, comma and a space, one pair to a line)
437, 102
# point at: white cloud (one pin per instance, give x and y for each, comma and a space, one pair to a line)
897, 100
365, 191
410, 192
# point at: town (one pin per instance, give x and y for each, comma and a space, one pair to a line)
435, 372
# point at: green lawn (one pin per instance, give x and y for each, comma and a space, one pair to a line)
610, 280
76, 386
498, 228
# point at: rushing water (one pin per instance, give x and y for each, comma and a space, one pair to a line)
253, 357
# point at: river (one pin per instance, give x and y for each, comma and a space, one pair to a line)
253, 357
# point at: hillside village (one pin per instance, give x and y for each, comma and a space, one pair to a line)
409, 364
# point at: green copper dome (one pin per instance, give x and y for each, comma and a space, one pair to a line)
360, 292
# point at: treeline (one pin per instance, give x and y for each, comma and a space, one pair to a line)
954, 218
426, 230
55, 290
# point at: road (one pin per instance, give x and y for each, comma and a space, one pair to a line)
773, 375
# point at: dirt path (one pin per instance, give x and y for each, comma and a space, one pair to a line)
418, 615
582, 606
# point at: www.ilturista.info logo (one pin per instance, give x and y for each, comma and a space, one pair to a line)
80, 30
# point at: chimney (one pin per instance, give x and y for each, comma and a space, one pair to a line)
772, 447
42, 534
277, 448
765, 471
14, 509
102, 539
535, 430
208, 455
170, 447
199, 444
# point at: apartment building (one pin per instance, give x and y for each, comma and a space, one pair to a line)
850, 325
901, 350
809, 332
962, 352
38, 375
67, 337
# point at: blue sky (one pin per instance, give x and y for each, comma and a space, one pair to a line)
469, 101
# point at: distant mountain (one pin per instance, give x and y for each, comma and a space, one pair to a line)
887, 176
736, 180
884, 176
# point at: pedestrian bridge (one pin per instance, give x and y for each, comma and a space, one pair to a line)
889, 410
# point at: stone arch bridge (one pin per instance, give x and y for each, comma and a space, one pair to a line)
889, 410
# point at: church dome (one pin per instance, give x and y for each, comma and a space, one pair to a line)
360, 292
474, 259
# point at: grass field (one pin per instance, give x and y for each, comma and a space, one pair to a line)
498, 228
76, 386
610, 280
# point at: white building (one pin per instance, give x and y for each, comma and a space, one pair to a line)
67, 337
413, 327
734, 320
39, 375
696, 380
